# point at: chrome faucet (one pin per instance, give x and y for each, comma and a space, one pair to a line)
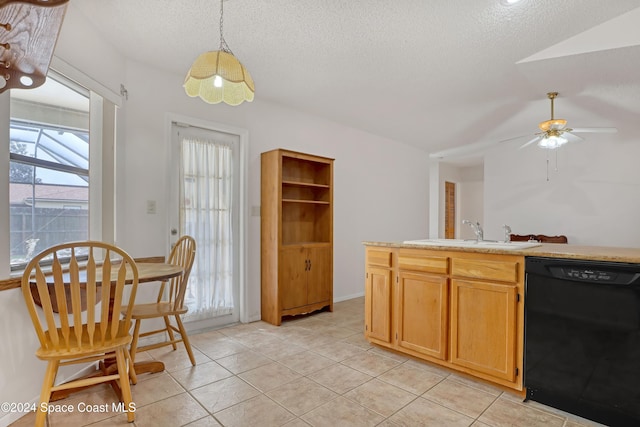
507, 233
476, 229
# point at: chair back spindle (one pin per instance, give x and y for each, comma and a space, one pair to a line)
183, 254
72, 282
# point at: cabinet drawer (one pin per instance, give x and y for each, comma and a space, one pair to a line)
504, 271
427, 264
379, 258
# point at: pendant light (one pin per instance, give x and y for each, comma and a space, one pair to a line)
217, 76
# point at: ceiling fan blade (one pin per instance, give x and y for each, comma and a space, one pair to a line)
595, 130
514, 138
536, 139
571, 137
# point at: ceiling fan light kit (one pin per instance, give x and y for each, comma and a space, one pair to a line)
552, 142
29, 31
218, 76
553, 129
555, 124
554, 133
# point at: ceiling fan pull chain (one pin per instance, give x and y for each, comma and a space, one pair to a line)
556, 160
547, 165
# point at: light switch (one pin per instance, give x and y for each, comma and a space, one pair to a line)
151, 206
255, 210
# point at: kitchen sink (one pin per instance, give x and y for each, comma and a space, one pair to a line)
484, 244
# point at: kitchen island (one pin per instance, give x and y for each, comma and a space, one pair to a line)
459, 307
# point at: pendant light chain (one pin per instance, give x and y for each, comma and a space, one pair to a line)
223, 43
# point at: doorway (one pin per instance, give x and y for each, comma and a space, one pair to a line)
206, 203
449, 210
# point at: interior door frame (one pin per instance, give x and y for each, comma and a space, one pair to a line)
450, 211
173, 165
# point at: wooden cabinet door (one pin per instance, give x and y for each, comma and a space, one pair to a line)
292, 276
422, 314
483, 327
319, 274
378, 304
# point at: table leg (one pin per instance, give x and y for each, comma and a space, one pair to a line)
150, 366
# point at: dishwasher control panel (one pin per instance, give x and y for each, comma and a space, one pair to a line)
590, 275
600, 273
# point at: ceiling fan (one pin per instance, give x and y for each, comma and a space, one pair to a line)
554, 133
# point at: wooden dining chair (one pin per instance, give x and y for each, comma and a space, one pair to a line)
542, 238
76, 332
169, 305
522, 237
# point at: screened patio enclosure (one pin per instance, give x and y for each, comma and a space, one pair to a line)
48, 174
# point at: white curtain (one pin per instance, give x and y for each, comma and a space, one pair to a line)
206, 196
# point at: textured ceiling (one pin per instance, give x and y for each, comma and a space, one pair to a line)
436, 74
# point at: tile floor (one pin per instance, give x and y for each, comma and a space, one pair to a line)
311, 371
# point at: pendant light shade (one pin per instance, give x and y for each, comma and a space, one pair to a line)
218, 76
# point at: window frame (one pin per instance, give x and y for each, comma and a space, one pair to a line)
52, 165
103, 111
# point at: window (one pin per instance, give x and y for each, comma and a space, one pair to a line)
49, 167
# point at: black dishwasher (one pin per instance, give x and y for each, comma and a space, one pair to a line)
582, 338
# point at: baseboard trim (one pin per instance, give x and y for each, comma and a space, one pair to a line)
348, 297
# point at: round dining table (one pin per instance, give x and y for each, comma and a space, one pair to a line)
147, 272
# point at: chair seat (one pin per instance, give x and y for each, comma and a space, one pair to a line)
60, 352
153, 310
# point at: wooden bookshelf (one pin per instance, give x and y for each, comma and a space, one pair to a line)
296, 234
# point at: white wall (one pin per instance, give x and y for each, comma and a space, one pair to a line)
470, 200
592, 198
380, 193
369, 170
83, 48
469, 197
434, 199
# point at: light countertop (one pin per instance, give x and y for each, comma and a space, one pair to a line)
552, 250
